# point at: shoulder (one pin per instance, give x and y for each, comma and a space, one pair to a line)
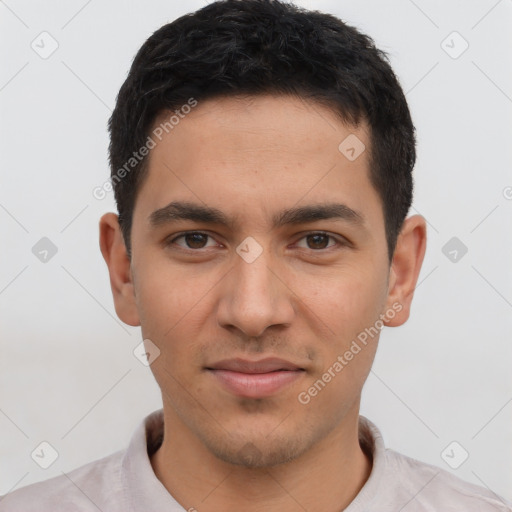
423, 487
86, 489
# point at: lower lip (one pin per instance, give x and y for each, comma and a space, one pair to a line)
256, 385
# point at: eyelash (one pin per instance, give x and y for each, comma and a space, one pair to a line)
339, 241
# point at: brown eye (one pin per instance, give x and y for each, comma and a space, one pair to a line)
318, 241
196, 240
193, 240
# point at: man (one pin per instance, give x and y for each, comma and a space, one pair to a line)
261, 157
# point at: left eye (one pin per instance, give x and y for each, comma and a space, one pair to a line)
198, 240
318, 241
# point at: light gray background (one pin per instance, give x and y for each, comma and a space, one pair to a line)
67, 372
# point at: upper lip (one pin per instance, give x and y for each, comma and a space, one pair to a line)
269, 364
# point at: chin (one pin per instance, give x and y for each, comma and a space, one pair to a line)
256, 455
260, 447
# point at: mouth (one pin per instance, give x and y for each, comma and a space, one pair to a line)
255, 379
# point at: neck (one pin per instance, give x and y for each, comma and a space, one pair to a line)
327, 477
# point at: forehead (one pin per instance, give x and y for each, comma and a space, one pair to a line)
258, 154
240, 122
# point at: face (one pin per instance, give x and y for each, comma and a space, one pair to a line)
265, 283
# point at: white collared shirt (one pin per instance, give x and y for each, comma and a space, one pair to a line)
125, 482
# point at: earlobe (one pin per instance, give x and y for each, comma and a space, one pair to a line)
114, 253
405, 268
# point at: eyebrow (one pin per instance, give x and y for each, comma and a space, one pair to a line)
183, 210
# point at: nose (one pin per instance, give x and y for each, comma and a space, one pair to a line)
255, 296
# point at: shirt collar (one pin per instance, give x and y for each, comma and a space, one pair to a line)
145, 492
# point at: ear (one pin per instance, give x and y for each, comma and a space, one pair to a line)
121, 280
405, 269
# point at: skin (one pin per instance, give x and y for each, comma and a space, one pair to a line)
303, 299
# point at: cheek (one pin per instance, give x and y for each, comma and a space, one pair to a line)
168, 297
350, 306
170, 308
347, 300
175, 308
350, 309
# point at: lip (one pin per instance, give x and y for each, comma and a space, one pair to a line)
269, 364
255, 379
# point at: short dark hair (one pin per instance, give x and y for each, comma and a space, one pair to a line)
254, 47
